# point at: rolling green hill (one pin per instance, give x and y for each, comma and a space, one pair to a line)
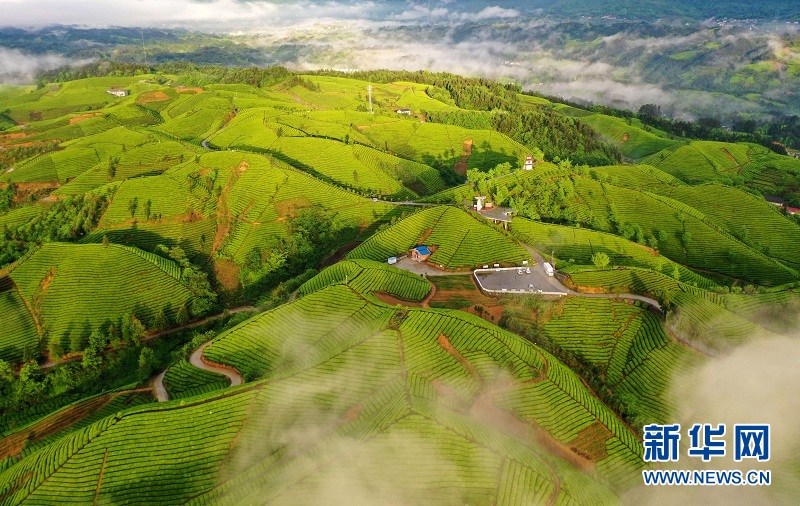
356, 377
376, 412
74, 289
748, 164
458, 240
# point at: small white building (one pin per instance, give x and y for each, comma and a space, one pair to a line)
479, 203
118, 92
528, 163
407, 112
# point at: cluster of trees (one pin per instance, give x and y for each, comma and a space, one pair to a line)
191, 73
10, 155
7, 196
99, 68
313, 234
308, 84
112, 356
67, 220
98, 362
533, 199
194, 278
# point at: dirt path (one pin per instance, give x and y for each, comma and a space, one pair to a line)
199, 323
225, 218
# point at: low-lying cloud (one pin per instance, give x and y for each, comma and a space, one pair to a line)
161, 13
17, 67
756, 383
625, 67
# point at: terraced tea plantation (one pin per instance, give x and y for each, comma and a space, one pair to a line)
328, 372
629, 346
460, 240
367, 276
70, 289
194, 201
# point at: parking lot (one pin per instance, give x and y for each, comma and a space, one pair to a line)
518, 280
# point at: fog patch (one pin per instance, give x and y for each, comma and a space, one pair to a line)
755, 383
17, 67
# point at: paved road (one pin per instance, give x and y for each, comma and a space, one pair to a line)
160, 391
197, 360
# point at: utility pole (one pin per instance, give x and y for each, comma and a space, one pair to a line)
369, 92
144, 50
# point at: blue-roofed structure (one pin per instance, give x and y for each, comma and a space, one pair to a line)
420, 253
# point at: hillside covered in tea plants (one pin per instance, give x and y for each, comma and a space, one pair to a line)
169, 230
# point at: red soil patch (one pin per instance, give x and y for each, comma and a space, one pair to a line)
352, 414
590, 289
491, 311
227, 274
590, 443
494, 312
393, 301
289, 208
648, 249
424, 237
185, 89
467, 147
445, 343
13, 137
14, 443
190, 217
152, 96
83, 117
224, 217
462, 166
625, 138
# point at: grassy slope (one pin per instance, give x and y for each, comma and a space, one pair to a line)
74, 287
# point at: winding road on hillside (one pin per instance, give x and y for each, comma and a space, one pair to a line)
196, 359
542, 279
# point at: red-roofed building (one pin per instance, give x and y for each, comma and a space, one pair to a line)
792, 210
